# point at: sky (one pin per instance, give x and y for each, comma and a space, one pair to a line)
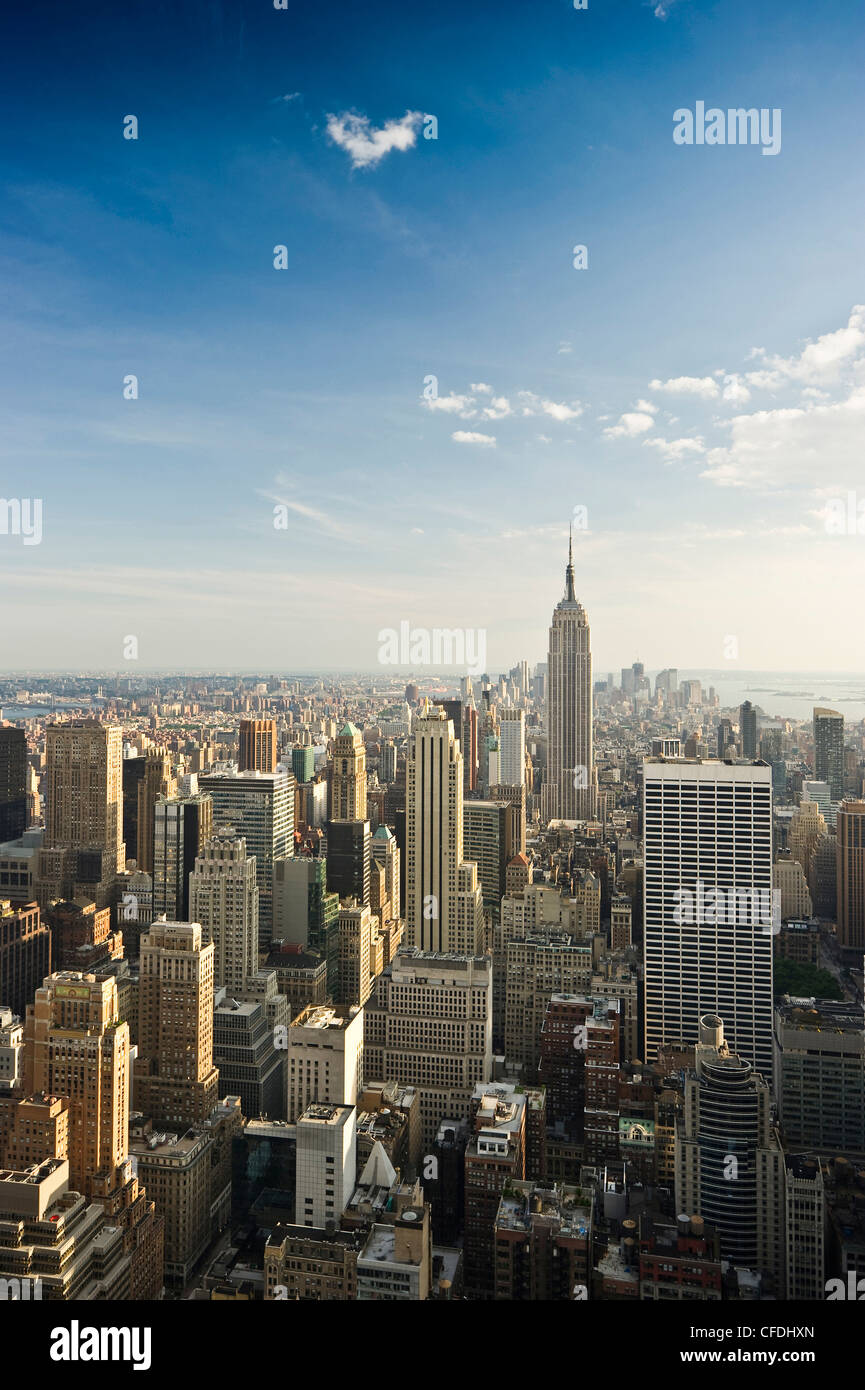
400, 422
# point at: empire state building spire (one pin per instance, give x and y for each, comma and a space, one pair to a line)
570, 594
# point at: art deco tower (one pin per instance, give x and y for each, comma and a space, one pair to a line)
348, 785
75, 1045
568, 792
444, 907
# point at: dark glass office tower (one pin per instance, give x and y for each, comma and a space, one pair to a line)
349, 846
829, 750
13, 784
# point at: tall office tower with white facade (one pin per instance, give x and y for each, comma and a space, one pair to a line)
444, 904
568, 792
512, 748
708, 905
223, 899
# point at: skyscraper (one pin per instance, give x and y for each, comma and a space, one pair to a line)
75, 1045
349, 850
257, 745
84, 786
568, 792
725, 737
13, 784
223, 899
829, 750
729, 1163
488, 843
181, 827
348, 785
748, 729
512, 747
708, 907
260, 807
850, 830
25, 954
444, 906
820, 1074
385, 852
175, 1079
84, 805
155, 782
305, 914
303, 763
428, 1023
134, 768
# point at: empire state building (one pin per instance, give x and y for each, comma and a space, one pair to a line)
569, 790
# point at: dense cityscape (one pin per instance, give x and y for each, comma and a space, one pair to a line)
496, 987
432, 727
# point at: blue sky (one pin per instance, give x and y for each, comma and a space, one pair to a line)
699, 388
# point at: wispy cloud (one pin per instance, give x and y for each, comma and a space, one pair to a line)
557, 410
704, 386
492, 407
304, 510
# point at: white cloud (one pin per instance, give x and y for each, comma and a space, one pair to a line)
560, 411
646, 407
472, 437
818, 363
482, 388
536, 405
704, 386
565, 347
805, 446
289, 96
452, 404
498, 408
630, 425
366, 145
676, 449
